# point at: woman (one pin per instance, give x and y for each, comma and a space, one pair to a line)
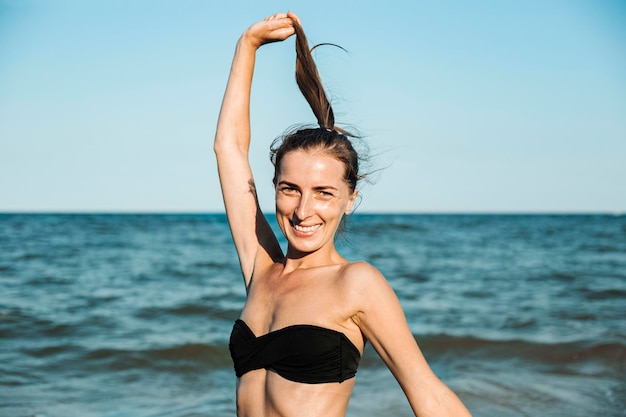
309, 312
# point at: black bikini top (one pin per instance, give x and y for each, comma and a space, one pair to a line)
300, 353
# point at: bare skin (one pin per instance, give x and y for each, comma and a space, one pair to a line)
311, 283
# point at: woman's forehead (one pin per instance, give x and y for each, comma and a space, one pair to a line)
311, 166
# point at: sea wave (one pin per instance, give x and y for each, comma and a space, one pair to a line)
187, 357
443, 346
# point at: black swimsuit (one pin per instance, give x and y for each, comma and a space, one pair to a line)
300, 353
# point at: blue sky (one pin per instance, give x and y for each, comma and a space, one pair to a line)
485, 106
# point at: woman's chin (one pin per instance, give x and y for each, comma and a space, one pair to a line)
303, 246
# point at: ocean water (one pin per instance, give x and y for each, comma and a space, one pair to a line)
130, 315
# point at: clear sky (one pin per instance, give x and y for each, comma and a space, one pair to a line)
487, 106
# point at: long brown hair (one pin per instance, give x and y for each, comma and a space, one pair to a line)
310, 83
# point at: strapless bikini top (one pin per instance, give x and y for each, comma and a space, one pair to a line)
300, 353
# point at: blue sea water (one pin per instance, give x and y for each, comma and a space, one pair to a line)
129, 315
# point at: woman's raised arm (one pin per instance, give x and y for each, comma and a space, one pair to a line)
254, 240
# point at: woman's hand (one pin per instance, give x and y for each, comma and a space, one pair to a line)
275, 28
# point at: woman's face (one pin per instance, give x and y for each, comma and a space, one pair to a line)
311, 198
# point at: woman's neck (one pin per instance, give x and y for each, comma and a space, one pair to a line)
321, 257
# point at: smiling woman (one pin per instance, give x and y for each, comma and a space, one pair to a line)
308, 312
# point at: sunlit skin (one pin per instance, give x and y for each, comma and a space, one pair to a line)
311, 198
311, 283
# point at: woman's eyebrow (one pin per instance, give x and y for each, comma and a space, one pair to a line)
325, 187
290, 184
317, 187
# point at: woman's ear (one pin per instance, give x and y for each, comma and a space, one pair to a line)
351, 201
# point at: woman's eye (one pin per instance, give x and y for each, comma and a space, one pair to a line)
288, 190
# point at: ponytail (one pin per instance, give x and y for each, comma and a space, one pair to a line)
310, 83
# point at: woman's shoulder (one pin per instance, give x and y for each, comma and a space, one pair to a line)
365, 286
363, 274
360, 267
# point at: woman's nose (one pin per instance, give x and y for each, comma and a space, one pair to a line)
304, 207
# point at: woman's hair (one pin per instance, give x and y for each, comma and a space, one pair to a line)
327, 137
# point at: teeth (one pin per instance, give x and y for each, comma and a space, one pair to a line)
306, 229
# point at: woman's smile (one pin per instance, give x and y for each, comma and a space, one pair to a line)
304, 231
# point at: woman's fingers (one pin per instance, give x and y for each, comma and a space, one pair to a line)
274, 28
276, 16
293, 17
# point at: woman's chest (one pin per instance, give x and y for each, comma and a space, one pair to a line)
278, 301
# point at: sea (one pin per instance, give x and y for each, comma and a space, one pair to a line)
116, 315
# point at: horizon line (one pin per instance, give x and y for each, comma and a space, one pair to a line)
373, 212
